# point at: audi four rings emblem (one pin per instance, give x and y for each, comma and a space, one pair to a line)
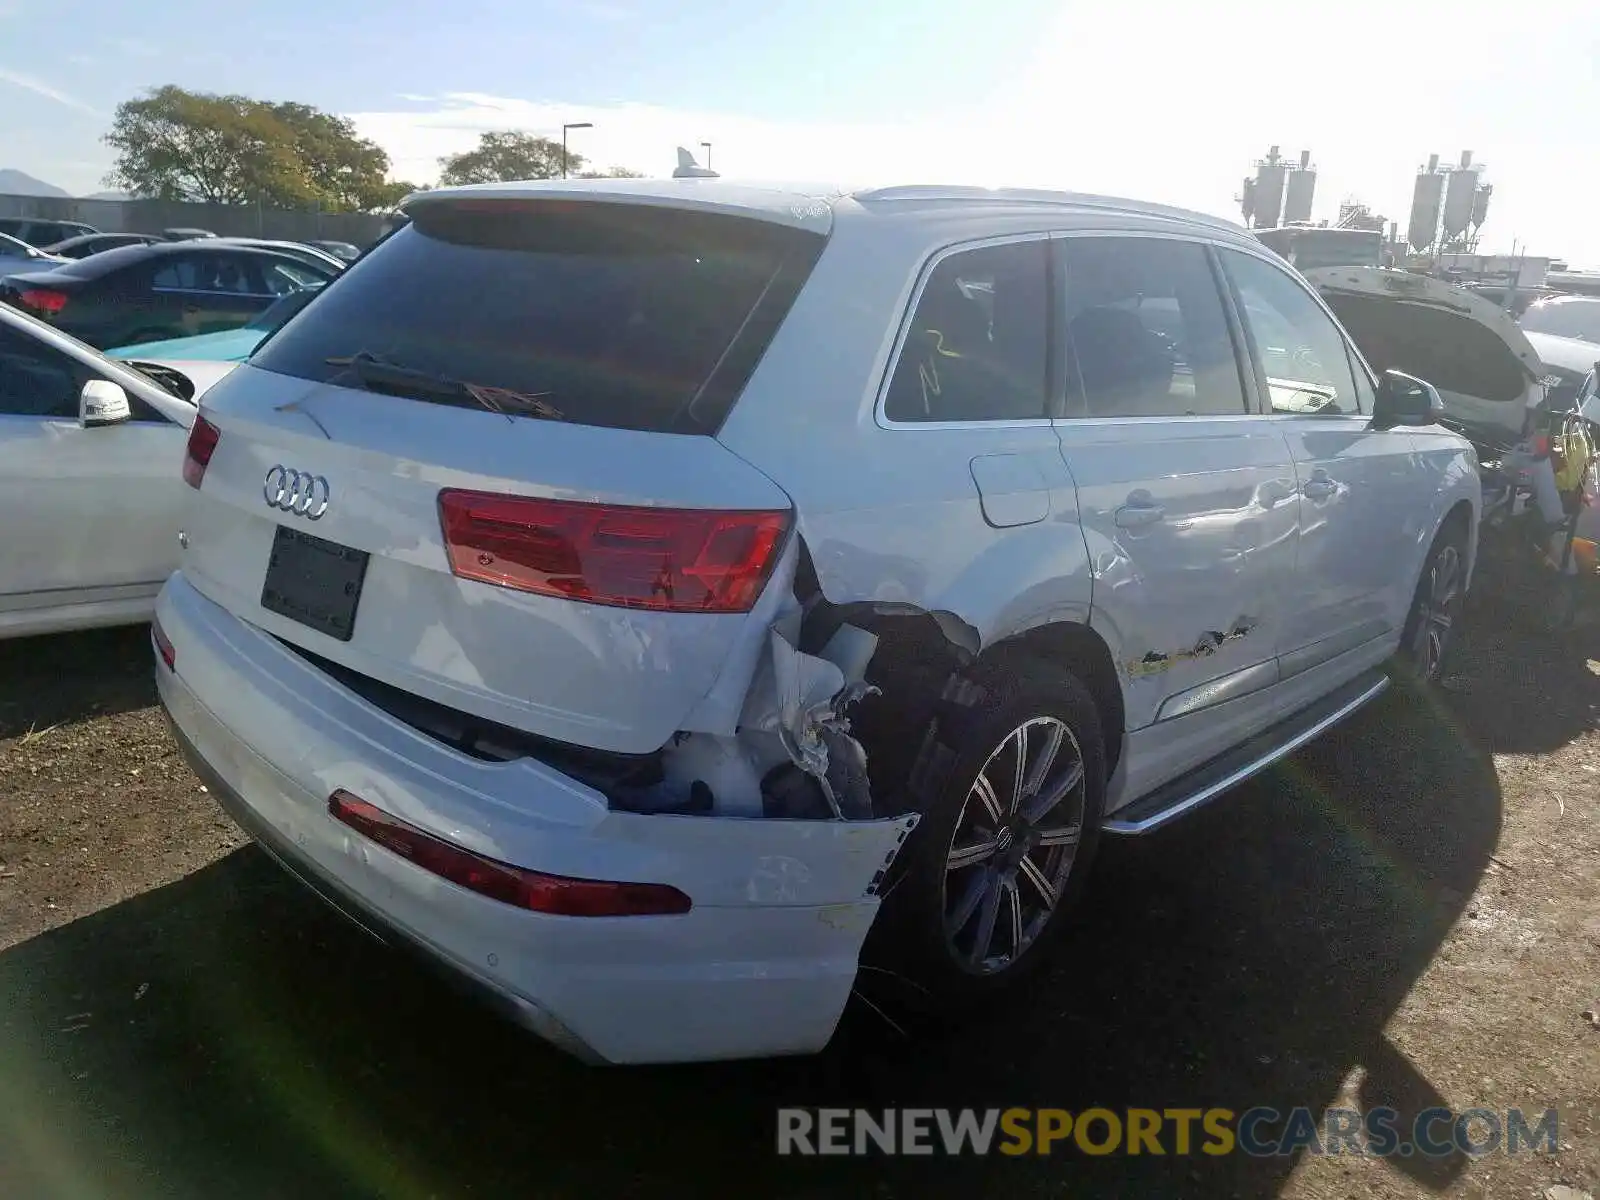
298, 492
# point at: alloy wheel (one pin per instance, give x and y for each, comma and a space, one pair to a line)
1013, 847
1436, 612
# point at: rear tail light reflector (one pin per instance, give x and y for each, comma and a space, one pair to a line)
44, 300
664, 559
517, 886
163, 646
203, 439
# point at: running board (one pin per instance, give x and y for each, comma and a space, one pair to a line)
1173, 800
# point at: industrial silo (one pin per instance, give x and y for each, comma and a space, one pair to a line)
1459, 193
1298, 195
1269, 190
1426, 198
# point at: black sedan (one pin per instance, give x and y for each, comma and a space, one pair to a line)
169, 290
94, 243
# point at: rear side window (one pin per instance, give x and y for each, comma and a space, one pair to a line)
621, 315
978, 345
1146, 329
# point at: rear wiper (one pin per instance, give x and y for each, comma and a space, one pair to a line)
374, 371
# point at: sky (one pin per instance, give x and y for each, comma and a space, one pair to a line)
1158, 99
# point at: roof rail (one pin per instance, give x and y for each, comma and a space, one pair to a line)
959, 193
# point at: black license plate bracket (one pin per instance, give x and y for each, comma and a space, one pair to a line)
314, 582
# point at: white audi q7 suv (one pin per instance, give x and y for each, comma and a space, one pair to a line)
655, 599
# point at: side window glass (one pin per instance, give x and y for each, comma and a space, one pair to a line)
1302, 353
285, 277
36, 381
1146, 329
178, 274
978, 344
228, 276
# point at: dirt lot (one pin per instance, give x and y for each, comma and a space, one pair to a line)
1407, 913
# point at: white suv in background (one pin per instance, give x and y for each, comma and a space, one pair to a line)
635, 593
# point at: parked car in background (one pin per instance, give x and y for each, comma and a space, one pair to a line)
43, 233
89, 478
231, 345
151, 293
15, 253
1568, 362
342, 250
310, 254
86, 244
1564, 316
182, 234
671, 582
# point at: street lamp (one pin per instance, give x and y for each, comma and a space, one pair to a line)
707, 145
564, 128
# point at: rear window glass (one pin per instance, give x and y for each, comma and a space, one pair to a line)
609, 314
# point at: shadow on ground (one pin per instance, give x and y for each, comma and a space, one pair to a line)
228, 1035
60, 680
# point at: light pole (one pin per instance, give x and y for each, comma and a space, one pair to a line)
707, 145
564, 128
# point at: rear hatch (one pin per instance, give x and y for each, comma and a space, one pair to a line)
483, 469
1467, 347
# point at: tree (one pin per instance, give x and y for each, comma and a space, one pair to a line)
338, 168
612, 173
174, 144
506, 155
177, 145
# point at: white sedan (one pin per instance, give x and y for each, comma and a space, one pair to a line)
91, 455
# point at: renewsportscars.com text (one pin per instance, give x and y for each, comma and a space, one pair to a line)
1379, 1132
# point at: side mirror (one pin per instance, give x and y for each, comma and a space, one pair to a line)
103, 403
1405, 400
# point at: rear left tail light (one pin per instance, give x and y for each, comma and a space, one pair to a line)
44, 300
203, 439
518, 886
163, 645
664, 559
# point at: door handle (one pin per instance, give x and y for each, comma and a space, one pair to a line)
1319, 489
1139, 516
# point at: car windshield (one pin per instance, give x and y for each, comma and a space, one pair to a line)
1578, 318
610, 314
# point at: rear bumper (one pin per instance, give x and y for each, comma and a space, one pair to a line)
762, 965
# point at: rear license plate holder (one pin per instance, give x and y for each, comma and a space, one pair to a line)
314, 582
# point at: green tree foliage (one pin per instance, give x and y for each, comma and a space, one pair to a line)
612, 173
173, 144
506, 155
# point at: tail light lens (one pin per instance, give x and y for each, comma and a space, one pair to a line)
203, 439
44, 300
518, 886
668, 560
163, 645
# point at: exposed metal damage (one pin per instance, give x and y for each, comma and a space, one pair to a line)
796, 752
1208, 644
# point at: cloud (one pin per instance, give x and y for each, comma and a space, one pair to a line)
1102, 106
39, 88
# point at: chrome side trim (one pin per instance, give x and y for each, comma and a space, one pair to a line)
1239, 775
1229, 687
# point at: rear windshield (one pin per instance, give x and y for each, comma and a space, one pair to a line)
612, 314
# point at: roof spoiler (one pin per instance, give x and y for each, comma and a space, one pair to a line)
689, 169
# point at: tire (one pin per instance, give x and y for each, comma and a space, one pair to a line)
1429, 632
924, 954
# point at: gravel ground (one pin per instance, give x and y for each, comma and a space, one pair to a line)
1406, 913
